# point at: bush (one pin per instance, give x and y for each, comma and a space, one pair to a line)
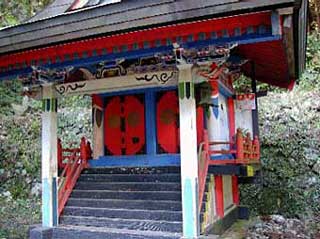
290, 142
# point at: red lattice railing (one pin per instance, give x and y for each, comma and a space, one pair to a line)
244, 149
73, 160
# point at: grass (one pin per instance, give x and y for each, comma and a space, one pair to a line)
16, 216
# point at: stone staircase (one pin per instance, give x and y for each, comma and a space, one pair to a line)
124, 203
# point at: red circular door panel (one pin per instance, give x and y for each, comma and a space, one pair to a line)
112, 126
135, 125
168, 123
124, 128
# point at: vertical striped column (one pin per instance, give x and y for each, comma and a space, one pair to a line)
49, 162
188, 148
213, 120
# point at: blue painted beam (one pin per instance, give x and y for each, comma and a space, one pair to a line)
222, 157
138, 91
137, 161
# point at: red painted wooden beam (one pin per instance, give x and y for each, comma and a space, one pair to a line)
235, 190
219, 195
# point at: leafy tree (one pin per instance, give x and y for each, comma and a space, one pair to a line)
15, 11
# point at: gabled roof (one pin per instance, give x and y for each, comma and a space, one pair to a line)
56, 24
56, 8
59, 7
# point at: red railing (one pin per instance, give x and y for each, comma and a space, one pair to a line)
73, 161
203, 164
245, 150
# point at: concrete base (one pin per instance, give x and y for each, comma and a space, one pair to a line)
40, 232
220, 226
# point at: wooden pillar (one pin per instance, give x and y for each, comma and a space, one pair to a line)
188, 148
218, 180
151, 125
97, 114
49, 161
235, 190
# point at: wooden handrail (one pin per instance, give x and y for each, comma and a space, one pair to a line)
203, 164
77, 160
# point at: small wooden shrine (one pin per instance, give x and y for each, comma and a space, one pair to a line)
172, 139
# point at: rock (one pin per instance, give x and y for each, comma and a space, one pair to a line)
278, 227
278, 219
36, 189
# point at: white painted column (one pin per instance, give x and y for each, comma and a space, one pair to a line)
189, 157
49, 163
98, 124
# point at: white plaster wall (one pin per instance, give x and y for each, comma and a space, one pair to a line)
244, 120
218, 128
223, 120
227, 191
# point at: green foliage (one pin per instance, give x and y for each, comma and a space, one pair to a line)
15, 11
290, 142
74, 120
16, 216
310, 80
290, 155
20, 151
243, 85
10, 93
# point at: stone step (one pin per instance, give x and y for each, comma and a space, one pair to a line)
130, 178
161, 215
126, 204
117, 170
125, 195
128, 224
129, 186
81, 232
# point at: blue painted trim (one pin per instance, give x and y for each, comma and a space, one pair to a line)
222, 157
137, 161
46, 203
138, 91
189, 221
225, 91
87, 62
241, 40
54, 201
151, 127
216, 106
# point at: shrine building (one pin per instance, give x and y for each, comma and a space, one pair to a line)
172, 137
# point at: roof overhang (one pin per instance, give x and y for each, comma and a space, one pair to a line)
103, 34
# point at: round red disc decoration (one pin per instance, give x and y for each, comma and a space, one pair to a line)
124, 129
168, 123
